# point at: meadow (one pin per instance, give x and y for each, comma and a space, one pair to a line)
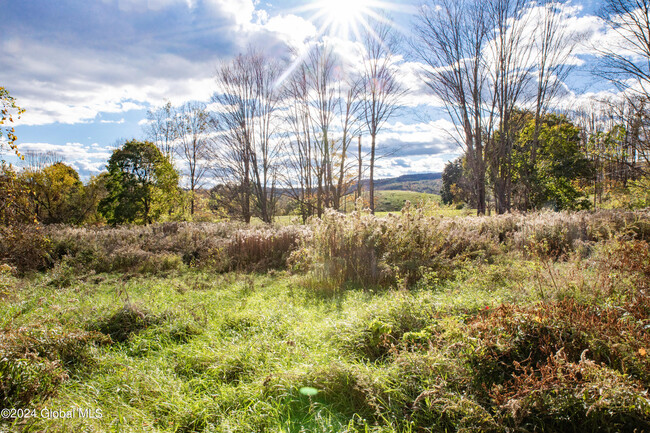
408, 322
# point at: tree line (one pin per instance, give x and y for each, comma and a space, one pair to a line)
307, 126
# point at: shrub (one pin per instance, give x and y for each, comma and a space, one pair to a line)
25, 247
126, 322
261, 249
361, 249
514, 337
33, 362
381, 331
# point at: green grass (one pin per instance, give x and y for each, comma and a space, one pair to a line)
393, 200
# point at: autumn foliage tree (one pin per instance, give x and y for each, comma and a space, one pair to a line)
8, 110
13, 191
57, 194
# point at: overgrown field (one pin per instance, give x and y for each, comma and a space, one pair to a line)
407, 323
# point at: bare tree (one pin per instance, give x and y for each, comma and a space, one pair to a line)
452, 37
350, 111
161, 129
626, 57
248, 100
510, 62
626, 63
36, 161
381, 92
192, 125
323, 118
299, 177
320, 72
486, 61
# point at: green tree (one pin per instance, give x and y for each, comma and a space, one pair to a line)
94, 192
14, 197
559, 169
451, 178
13, 191
141, 184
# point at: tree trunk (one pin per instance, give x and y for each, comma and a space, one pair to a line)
360, 169
371, 184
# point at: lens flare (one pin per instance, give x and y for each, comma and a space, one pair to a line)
345, 19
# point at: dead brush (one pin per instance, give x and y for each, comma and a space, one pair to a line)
27, 248
164, 247
261, 249
513, 337
367, 251
628, 255
562, 395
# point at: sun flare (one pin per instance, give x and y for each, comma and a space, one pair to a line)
346, 19
344, 16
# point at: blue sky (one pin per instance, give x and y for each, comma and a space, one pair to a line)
86, 71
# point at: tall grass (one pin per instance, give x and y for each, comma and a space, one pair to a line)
404, 248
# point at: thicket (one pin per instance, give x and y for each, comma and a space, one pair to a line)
413, 247
358, 249
148, 249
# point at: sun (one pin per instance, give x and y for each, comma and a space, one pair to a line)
347, 20
344, 19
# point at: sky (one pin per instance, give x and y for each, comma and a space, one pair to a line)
87, 71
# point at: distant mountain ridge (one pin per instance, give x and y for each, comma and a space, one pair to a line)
430, 183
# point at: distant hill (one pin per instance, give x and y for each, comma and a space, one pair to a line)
430, 183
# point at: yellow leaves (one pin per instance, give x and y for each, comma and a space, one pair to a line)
642, 352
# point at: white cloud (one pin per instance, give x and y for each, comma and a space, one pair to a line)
292, 29
72, 77
86, 159
241, 10
438, 132
400, 166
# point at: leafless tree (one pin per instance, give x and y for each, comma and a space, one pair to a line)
486, 61
37, 161
192, 125
161, 129
321, 63
511, 66
381, 91
247, 134
625, 61
452, 36
323, 118
299, 177
350, 111
626, 55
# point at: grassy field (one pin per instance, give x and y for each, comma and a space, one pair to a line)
547, 331
393, 201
